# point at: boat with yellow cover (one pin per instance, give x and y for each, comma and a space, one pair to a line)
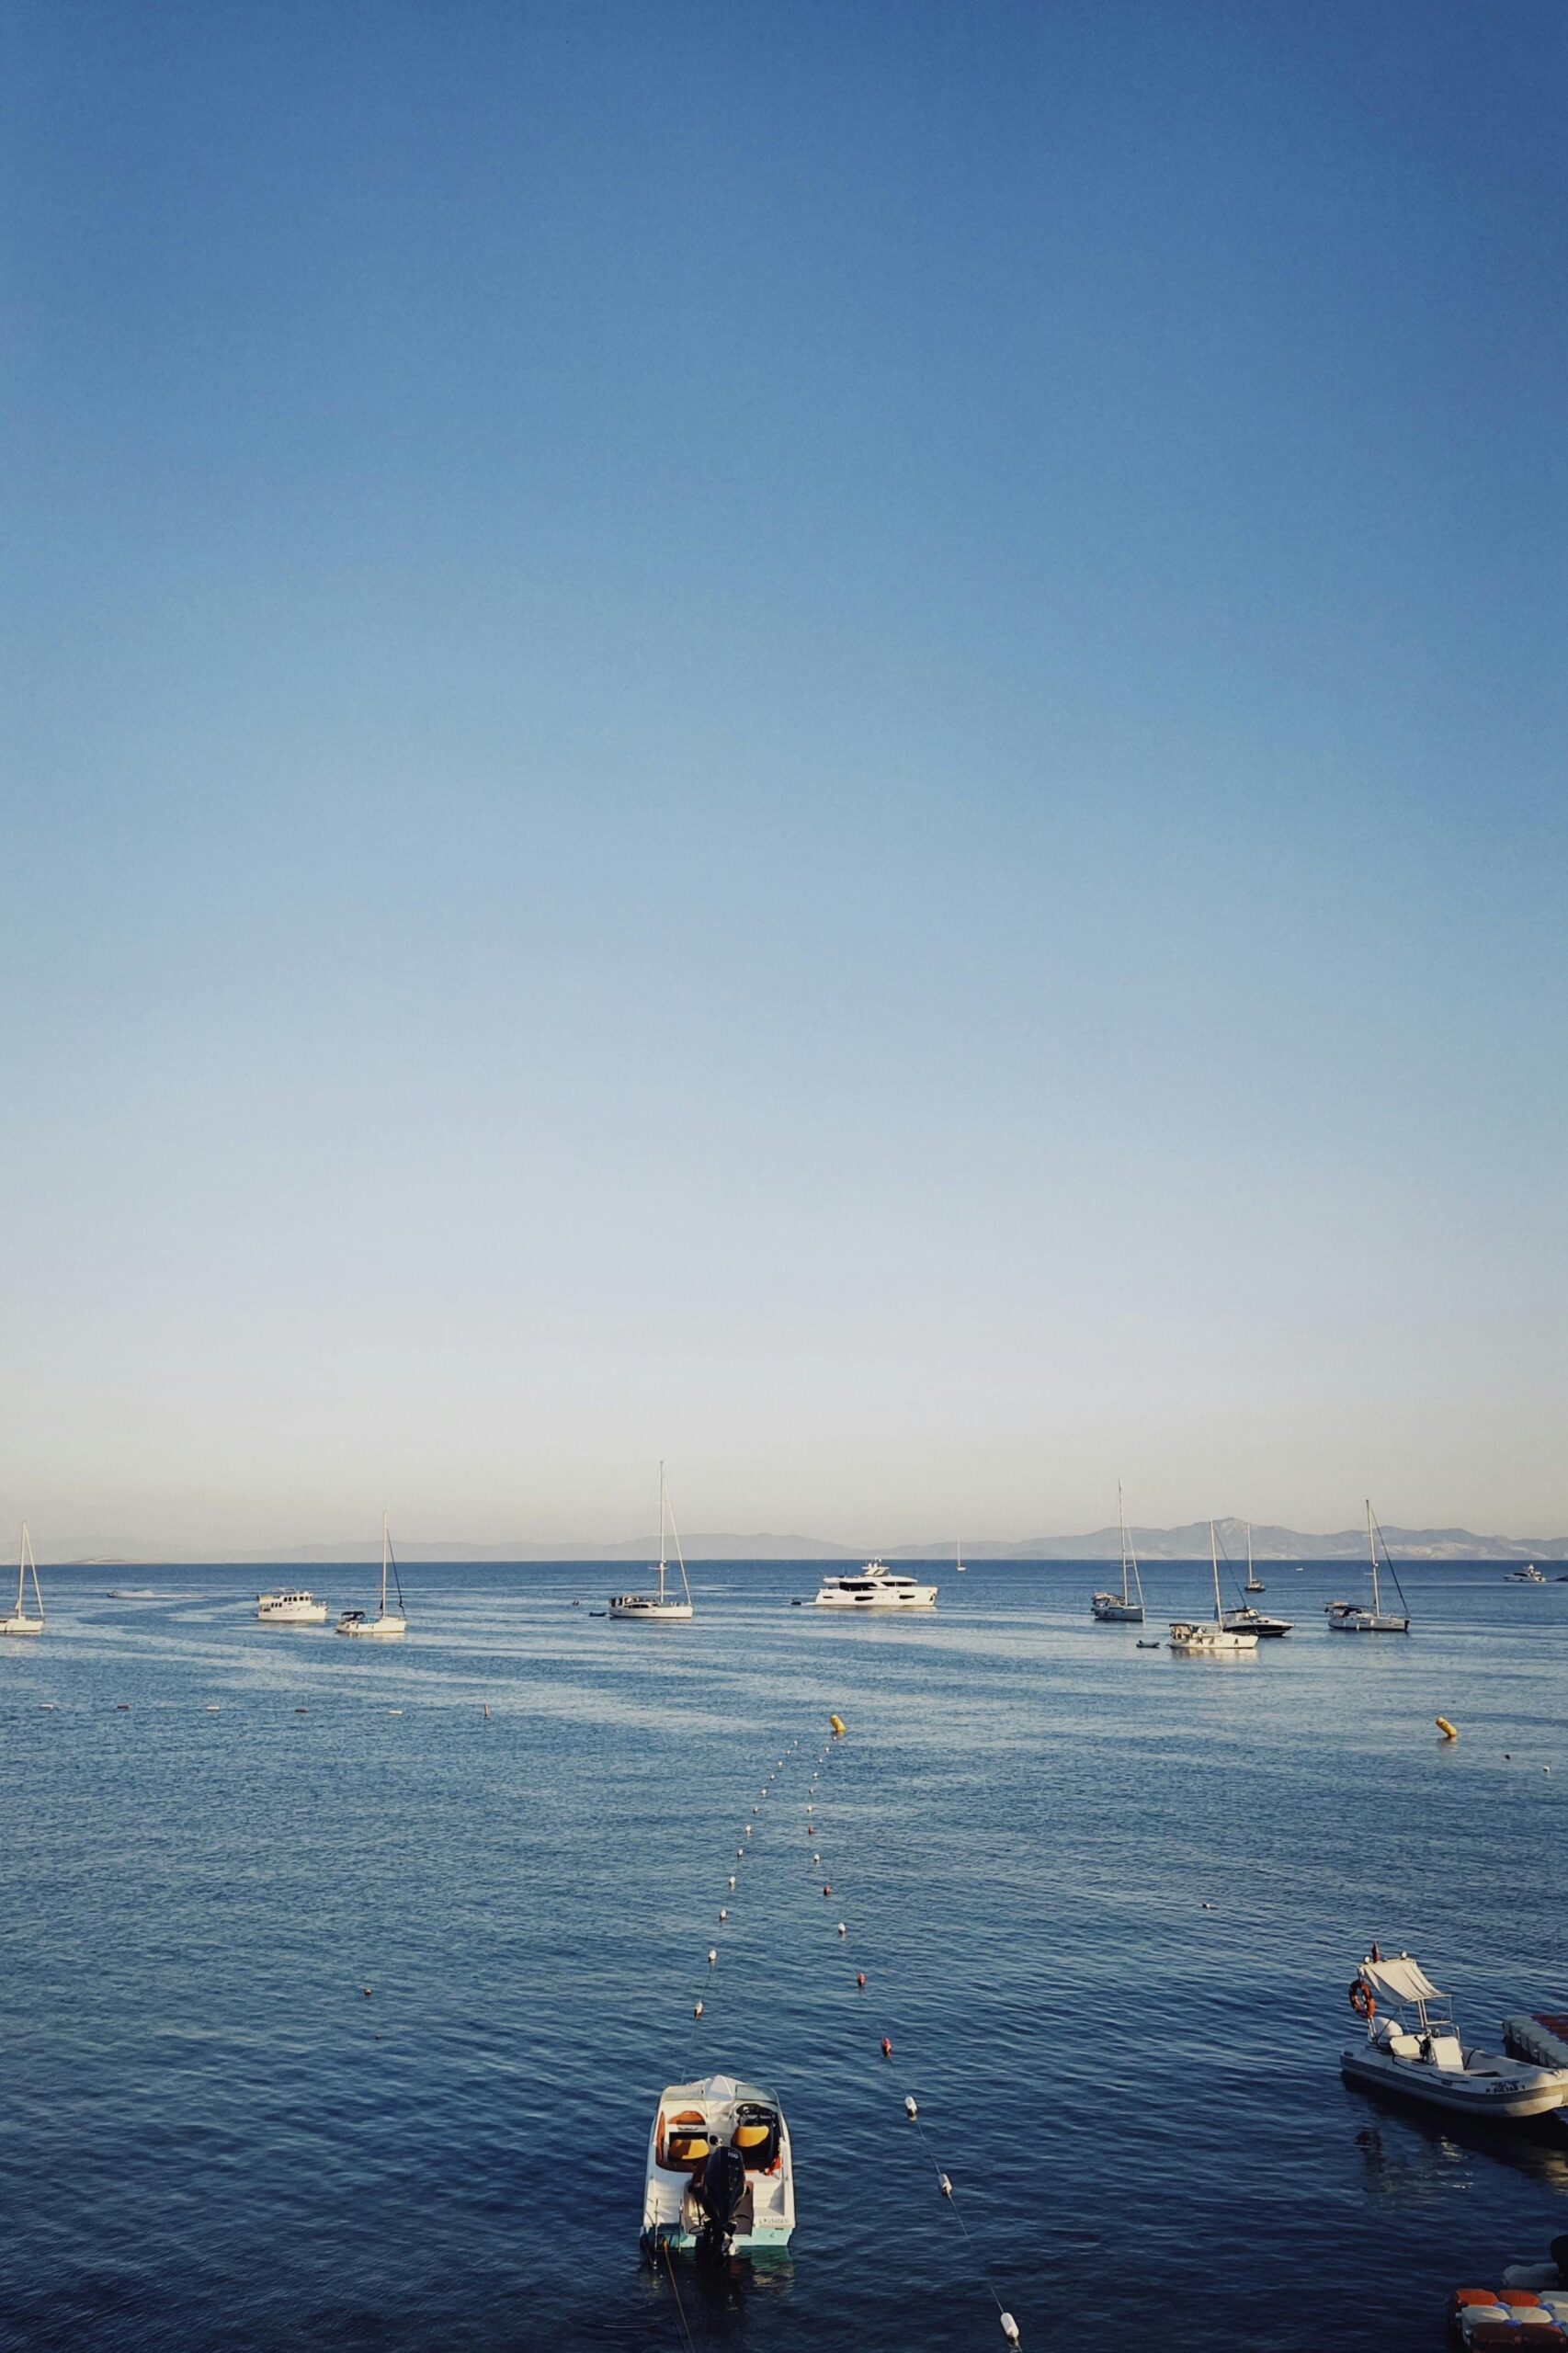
720, 2175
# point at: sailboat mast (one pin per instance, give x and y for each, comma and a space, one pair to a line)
1249, 1556
22, 1566
383, 1565
1373, 1556
1122, 1516
662, 1516
1214, 1557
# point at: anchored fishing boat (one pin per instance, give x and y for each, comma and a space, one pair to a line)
876, 1588
1413, 2048
661, 1608
720, 2175
1353, 1617
384, 1624
1126, 1608
20, 1621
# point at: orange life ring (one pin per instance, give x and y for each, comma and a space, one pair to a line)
1362, 2000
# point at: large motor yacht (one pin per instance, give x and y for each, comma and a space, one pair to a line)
876, 1588
719, 2178
290, 1610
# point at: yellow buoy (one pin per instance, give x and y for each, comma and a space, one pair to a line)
1447, 1729
838, 1726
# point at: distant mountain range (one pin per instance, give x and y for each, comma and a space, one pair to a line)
1189, 1543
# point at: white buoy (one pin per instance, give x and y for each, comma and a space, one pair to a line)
722, 1913
731, 1883
712, 1956
697, 2009
910, 2108
1009, 2328
842, 1929
947, 2187
748, 1829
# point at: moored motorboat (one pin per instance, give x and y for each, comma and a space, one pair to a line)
1413, 2048
1247, 1620
720, 2175
876, 1588
1528, 1575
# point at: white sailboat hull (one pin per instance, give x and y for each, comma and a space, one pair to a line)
1211, 1641
375, 1630
21, 1625
649, 1606
1110, 1610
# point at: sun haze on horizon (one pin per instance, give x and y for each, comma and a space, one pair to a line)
825, 742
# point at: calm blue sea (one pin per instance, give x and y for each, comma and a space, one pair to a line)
212, 2139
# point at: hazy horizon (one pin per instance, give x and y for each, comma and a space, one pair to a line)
823, 742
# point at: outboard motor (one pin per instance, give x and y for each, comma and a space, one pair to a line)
719, 2192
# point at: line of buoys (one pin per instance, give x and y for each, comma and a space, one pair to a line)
1009, 2325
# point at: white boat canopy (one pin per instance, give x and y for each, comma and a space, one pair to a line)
1403, 1980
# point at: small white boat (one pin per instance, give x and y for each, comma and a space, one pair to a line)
1247, 1620
661, 1609
720, 2176
876, 1588
1528, 1575
384, 1624
1126, 1608
1353, 1617
1413, 2048
290, 1610
959, 1564
1254, 1583
20, 1621
1212, 1637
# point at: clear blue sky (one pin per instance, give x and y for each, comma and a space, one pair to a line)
824, 738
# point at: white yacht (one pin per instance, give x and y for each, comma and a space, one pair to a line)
1528, 1575
1196, 1638
385, 1624
661, 1608
1413, 2047
20, 1622
1126, 1608
290, 1610
876, 1588
720, 2175
1353, 1617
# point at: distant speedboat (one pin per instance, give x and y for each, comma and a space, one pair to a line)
1413, 2048
1256, 1621
290, 1610
660, 1608
1352, 1616
1212, 1638
1126, 1608
1528, 1575
720, 2178
20, 1622
876, 1588
386, 1624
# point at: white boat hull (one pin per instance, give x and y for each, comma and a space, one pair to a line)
1482, 2087
1211, 1641
1110, 1610
721, 2102
376, 1630
662, 1613
312, 1613
924, 1596
21, 1625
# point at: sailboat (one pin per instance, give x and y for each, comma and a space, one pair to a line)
1354, 1617
386, 1624
1126, 1608
959, 1563
661, 1607
19, 1622
1194, 1639
1254, 1583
